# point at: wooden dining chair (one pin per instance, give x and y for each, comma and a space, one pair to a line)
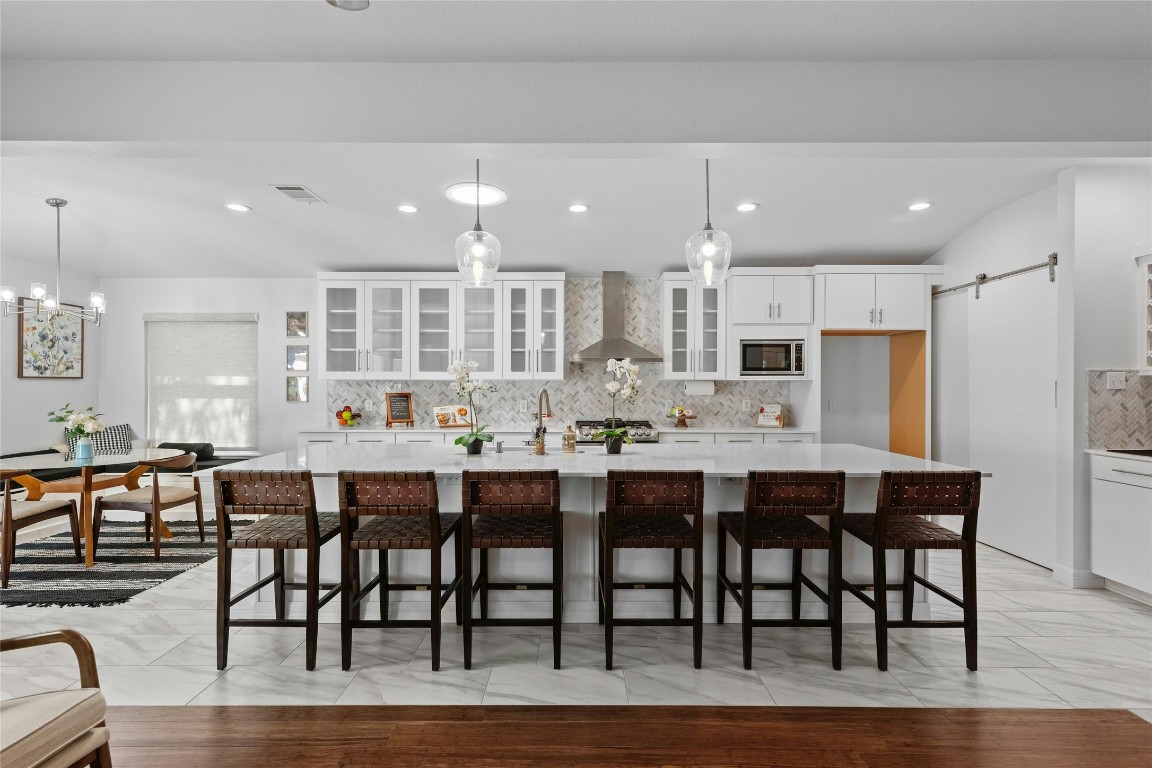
153, 500
286, 503
21, 514
777, 507
385, 512
904, 500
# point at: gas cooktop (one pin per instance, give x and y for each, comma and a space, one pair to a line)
641, 431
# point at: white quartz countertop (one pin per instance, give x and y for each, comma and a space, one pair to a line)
557, 427
1115, 455
593, 461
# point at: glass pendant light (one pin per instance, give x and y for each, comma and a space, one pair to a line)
709, 251
477, 251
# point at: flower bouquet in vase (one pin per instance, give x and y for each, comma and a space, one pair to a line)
624, 384
465, 386
80, 425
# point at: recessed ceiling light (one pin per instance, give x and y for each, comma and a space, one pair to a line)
464, 193
238, 207
578, 207
923, 206
349, 5
745, 207
407, 208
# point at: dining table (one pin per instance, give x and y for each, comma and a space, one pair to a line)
88, 481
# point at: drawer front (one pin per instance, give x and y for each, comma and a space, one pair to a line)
668, 438
736, 437
372, 438
423, 437
304, 439
1127, 471
773, 439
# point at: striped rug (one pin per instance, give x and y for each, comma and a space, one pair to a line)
45, 571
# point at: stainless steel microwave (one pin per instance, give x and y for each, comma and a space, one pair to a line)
771, 357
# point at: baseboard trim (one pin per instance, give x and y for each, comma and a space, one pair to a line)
1077, 578
1129, 592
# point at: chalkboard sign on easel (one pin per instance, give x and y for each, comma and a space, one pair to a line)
400, 409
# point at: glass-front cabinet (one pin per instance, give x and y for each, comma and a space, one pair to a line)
364, 329
454, 322
693, 330
533, 329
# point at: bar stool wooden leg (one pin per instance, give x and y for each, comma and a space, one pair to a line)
880, 581
746, 603
349, 590
677, 591
223, 607
385, 586
557, 595
968, 569
608, 578
278, 585
600, 577
434, 588
836, 597
312, 606
797, 564
721, 571
697, 602
909, 583
466, 593
483, 585
458, 557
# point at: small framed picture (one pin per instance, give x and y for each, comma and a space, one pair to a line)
297, 357
297, 324
297, 391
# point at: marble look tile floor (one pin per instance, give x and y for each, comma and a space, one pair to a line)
1042, 645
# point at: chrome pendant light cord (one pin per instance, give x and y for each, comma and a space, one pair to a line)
477, 229
707, 196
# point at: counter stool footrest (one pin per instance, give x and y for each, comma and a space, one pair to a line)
942, 592
638, 622
926, 624
490, 622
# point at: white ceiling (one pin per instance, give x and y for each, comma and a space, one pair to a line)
535, 31
156, 209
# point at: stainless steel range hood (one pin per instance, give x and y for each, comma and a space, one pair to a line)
614, 345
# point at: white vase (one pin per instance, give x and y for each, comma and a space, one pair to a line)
84, 449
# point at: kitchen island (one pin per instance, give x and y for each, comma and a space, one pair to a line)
582, 496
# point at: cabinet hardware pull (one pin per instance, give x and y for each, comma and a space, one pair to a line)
1130, 472
872, 316
769, 310
358, 361
779, 314
881, 317
789, 441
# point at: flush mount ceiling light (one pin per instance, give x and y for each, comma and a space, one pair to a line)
477, 251
745, 207
349, 5
407, 208
48, 304
921, 206
471, 193
709, 251
238, 207
579, 208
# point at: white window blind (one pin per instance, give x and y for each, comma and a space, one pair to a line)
202, 379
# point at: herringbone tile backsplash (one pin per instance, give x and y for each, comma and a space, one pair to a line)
1119, 418
581, 394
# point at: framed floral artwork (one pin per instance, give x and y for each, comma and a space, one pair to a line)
51, 346
296, 324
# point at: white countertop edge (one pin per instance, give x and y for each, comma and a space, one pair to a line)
1114, 455
558, 428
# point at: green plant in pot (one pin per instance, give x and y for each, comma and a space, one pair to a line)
464, 385
628, 373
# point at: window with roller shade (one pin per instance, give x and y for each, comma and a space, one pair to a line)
202, 379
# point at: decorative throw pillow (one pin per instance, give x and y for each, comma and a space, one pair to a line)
114, 439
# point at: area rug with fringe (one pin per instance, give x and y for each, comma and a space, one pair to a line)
45, 571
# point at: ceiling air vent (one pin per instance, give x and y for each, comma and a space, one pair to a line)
300, 194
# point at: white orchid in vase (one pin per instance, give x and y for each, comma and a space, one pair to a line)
465, 386
77, 423
625, 383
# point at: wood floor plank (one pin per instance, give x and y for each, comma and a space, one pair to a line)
599, 737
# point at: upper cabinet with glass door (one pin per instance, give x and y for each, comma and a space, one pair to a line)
694, 330
452, 323
533, 329
364, 330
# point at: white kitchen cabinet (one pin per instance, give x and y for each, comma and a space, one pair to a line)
771, 439
759, 299
371, 438
305, 439
694, 324
453, 322
739, 437
675, 436
885, 301
364, 328
404, 438
1121, 521
533, 329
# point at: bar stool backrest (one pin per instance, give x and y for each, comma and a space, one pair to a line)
655, 493
511, 492
791, 493
928, 493
388, 493
247, 493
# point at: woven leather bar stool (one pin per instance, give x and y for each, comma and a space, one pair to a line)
653, 510
288, 500
387, 511
901, 499
776, 510
512, 510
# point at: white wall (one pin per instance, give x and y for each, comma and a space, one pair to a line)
1104, 210
122, 385
24, 403
855, 374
